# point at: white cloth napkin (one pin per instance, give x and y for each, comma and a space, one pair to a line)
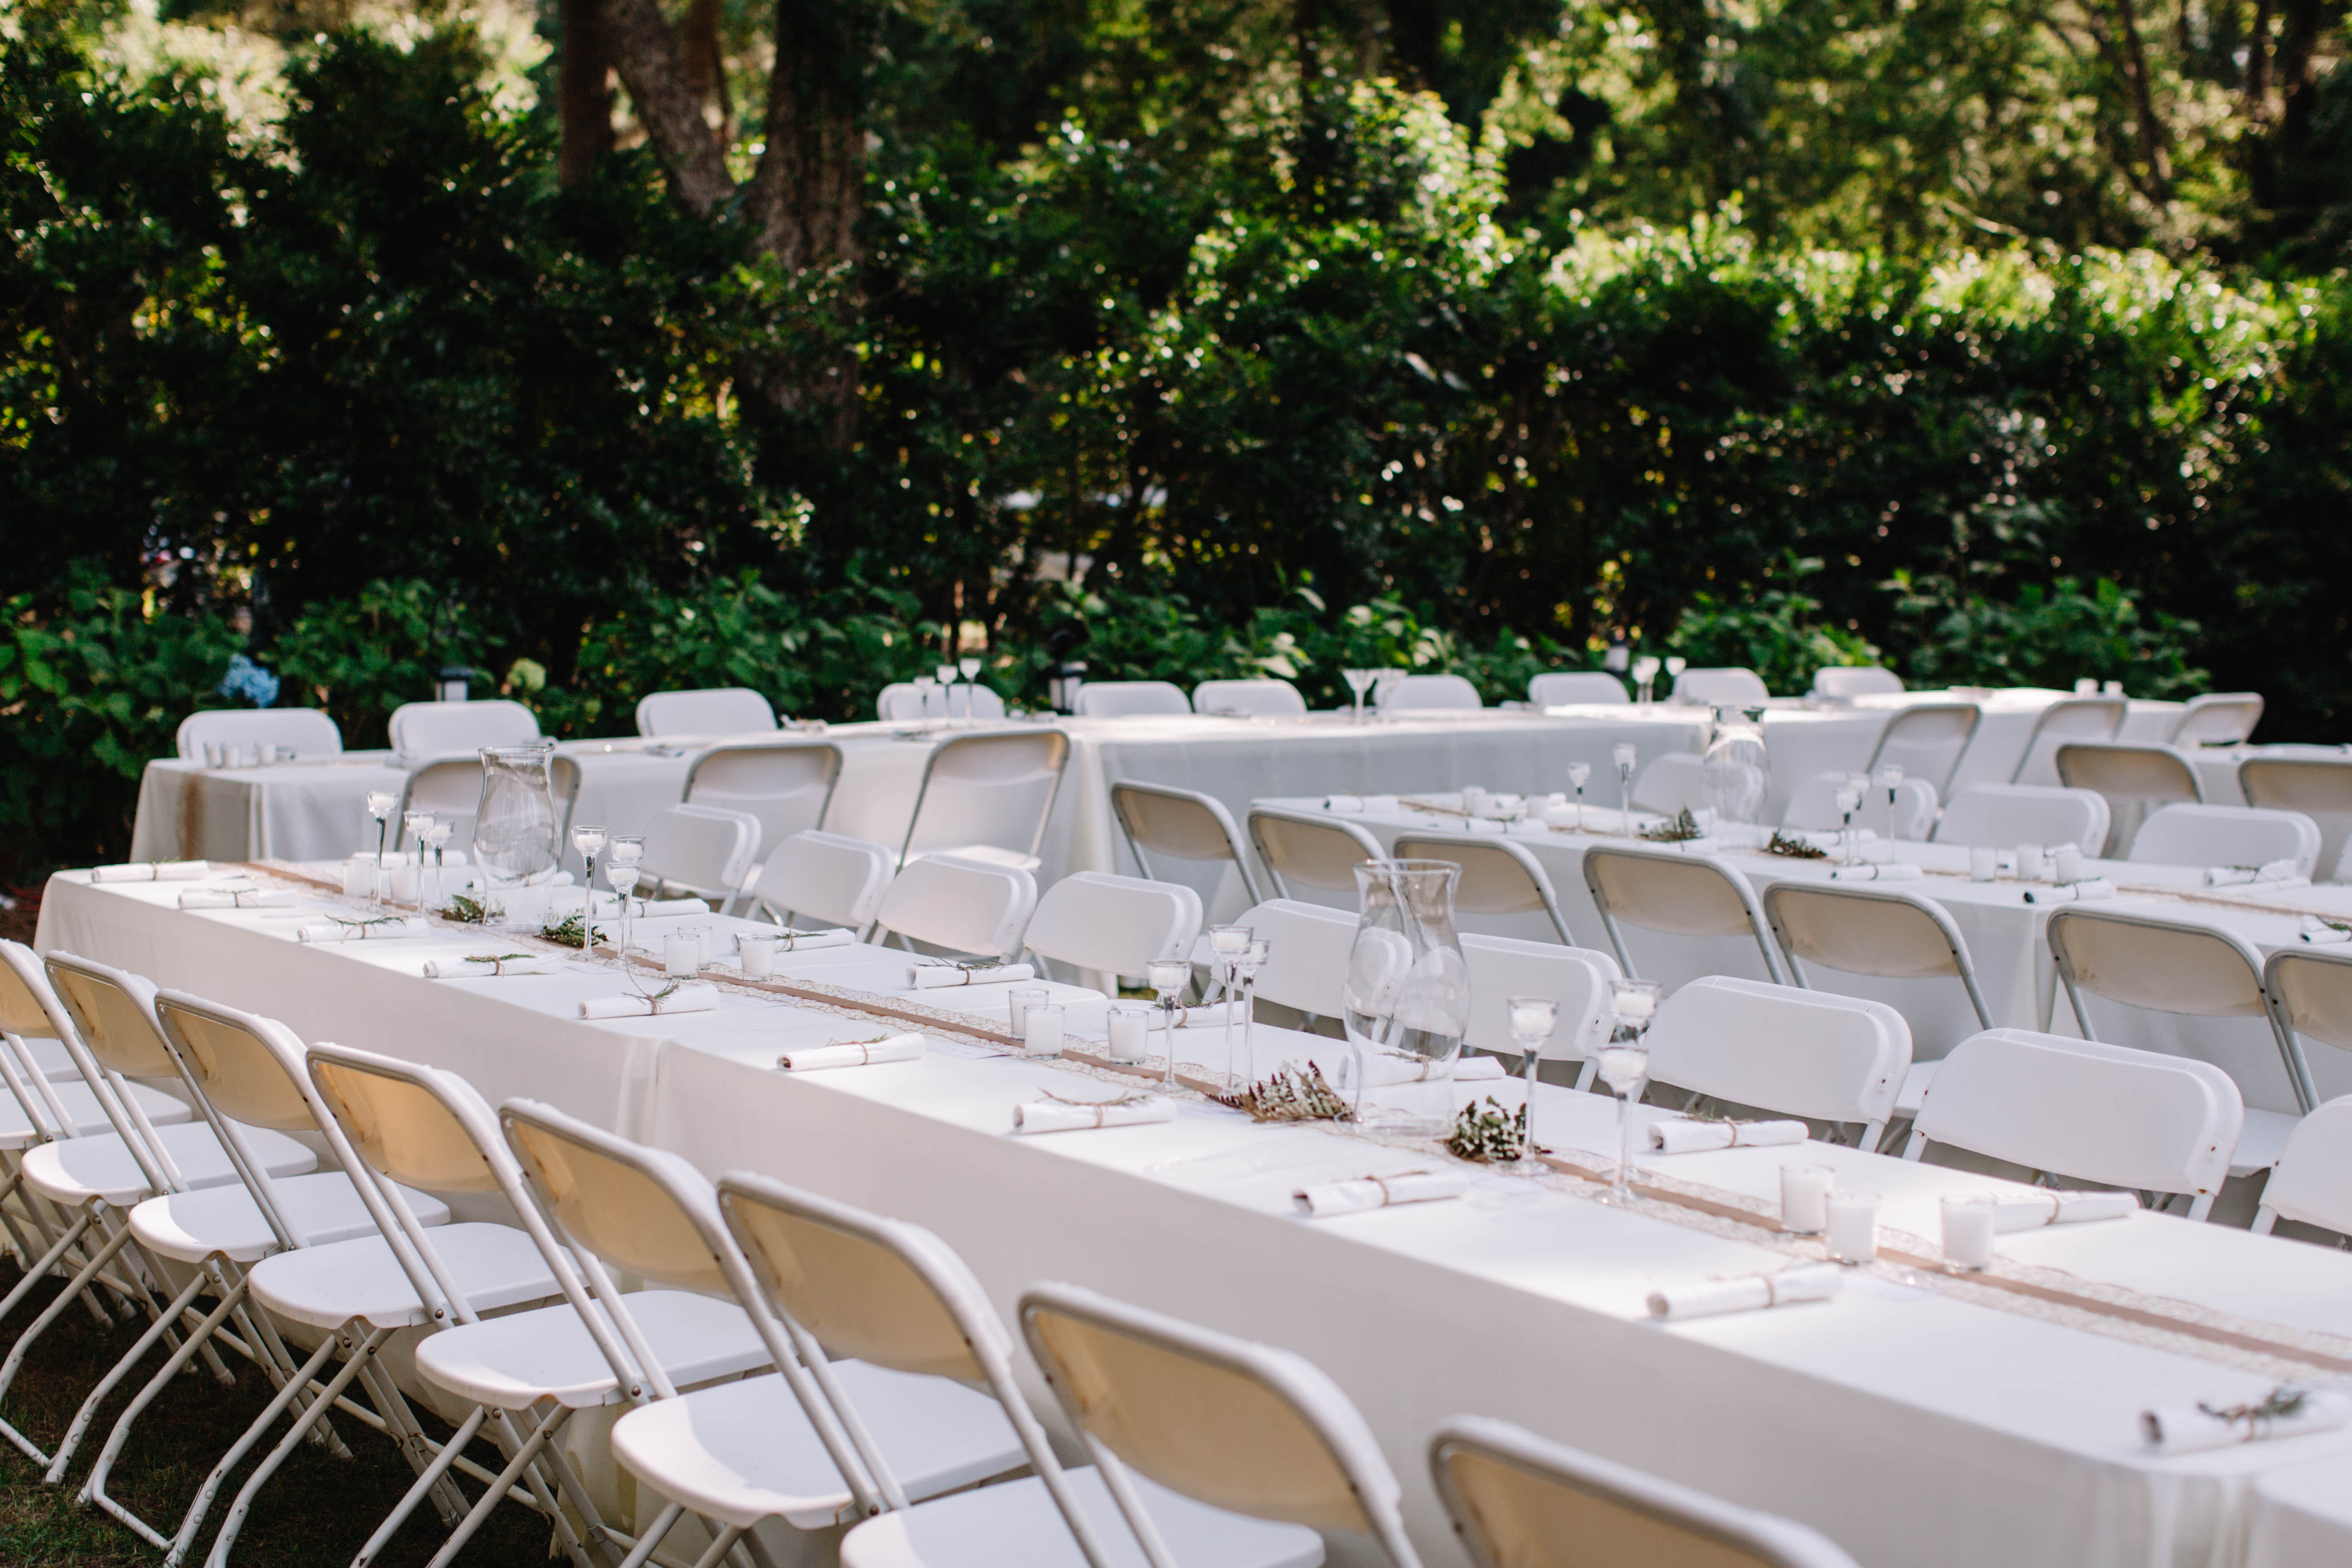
932, 976
685, 999
1485, 824
2175, 1429
789, 940
152, 871
1206, 1015
1381, 1071
1684, 1135
1885, 871
1326, 1199
1059, 1116
2072, 892
245, 898
489, 968
2246, 876
1346, 803
608, 907
380, 928
2319, 933
1748, 1293
2039, 1209
811, 1058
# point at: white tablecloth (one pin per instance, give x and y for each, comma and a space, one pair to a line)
2303, 1516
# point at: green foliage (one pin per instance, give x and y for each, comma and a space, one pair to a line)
2048, 636
1777, 633
361, 658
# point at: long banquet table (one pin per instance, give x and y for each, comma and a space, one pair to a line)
1915, 1419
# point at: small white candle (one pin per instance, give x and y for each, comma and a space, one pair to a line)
681, 954
1042, 1029
756, 956
1130, 1032
2067, 863
2032, 866
1969, 1224
1804, 1198
1854, 1227
1984, 863
1473, 800
1020, 1000
359, 876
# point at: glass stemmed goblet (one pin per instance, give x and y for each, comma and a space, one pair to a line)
1675, 666
1625, 754
1532, 1020
380, 804
1849, 801
437, 837
417, 825
588, 838
1382, 680
1253, 959
1625, 1069
1358, 682
622, 852
1645, 672
1168, 976
969, 666
1890, 779
1226, 945
924, 685
946, 674
1578, 772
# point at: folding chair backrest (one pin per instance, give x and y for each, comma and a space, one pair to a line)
991, 788
1843, 680
1678, 893
1925, 741
1498, 876
705, 850
2312, 993
2005, 815
310, 731
1429, 693
1130, 698
630, 1205
448, 787
1307, 954
1181, 824
1673, 782
1094, 919
2078, 1108
1724, 686
1235, 1425
1812, 806
25, 997
2068, 719
826, 876
1518, 1501
2226, 835
113, 1011
717, 711
250, 1068
2320, 788
787, 784
438, 729
1502, 967
2312, 1182
1265, 698
1884, 932
965, 906
2219, 719
2120, 771
1306, 851
2162, 965
401, 1129
1563, 688
1801, 1053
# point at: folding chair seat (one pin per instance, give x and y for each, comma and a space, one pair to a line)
310, 731
2319, 787
1846, 681
715, 711
2001, 816
1132, 699
963, 906
1563, 688
1840, 1060
703, 851
1302, 849
988, 797
1926, 741
1429, 693
1675, 892
1181, 824
1111, 924
1265, 699
2219, 719
787, 784
1727, 686
2312, 1182
2068, 719
2131, 779
443, 729
1498, 876
826, 877
2226, 835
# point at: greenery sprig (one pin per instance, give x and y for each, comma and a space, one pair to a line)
1680, 829
1794, 848
370, 920
1291, 1095
2285, 1400
498, 957
1489, 1137
469, 911
573, 930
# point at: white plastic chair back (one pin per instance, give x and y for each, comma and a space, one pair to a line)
440, 728
1502, 967
2068, 719
1300, 849
1427, 693
825, 877
1675, 892
1888, 932
2006, 816
2312, 1182
1926, 742
1837, 681
310, 732
1130, 698
1727, 686
902, 702
787, 784
2311, 992
113, 1013
1307, 954
448, 787
1498, 876
1181, 824
705, 851
1520, 1502
1564, 688
2219, 719
1238, 1426
2131, 779
1266, 698
2320, 788
965, 906
1800, 1052
2226, 835
2092, 1111
988, 793
1813, 805
717, 711
1672, 783
1120, 925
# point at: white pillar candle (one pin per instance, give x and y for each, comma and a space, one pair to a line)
359, 876
681, 954
1042, 1029
1130, 1032
1984, 863
1474, 799
2067, 863
756, 956
1969, 1221
1019, 1000
2032, 866
1804, 1198
1854, 1227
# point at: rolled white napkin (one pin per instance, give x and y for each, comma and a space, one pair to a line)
1379, 804
1485, 824
2319, 933
1382, 1071
152, 871
685, 999
1326, 1199
790, 941
2039, 1209
2177, 1429
1060, 1116
932, 976
1347, 805
811, 1058
245, 897
1748, 1293
487, 968
1684, 1135
2072, 892
382, 927
608, 907
2241, 875
1208, 1015
1882, 871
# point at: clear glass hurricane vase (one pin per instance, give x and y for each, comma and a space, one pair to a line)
1733, 775
1407, 997
514, 827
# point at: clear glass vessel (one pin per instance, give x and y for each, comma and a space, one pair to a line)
514, 827
1407, 998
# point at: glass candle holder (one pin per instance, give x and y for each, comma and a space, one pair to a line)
755, 955
1130, 1032
1853, 1227
1804, 1198
1969, 1222
1020, 999
1041, 1029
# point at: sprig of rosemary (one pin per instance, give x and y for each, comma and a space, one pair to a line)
571, 932
2285, 1400
1133, 1097
1794, 848
497, 957
372, 921
469, 911
969, 966
1290, 1096
1681, 828
1489, 1137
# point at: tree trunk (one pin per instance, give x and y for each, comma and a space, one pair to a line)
706, 63
1414, 34
584, 91
2257, 96
2153, 136
804, 197
661, 88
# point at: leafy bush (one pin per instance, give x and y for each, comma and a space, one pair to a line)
2050, 637
361, 658
1778, 633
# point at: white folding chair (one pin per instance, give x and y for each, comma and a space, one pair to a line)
1222, 1421
2131, 779
1832, 1059
1112, 924
903, 702
440, 728
988, 796
1520, 1502
1299, 849
1727, 686
448, 787
1498, 876
1306, 956
2226, 835
1671, 782
1926, 742
1502, 967
717, 711
1564, 688
2319, 787
826, 876
2312, 1182
1841, 681
1181, 824
2191, 971
2002, 816
2068, 719
1813, 807
2137, 1119
703, 849
1429, 693
2219, 719
310, 731
787, 784
1132, 699
2310, 996
1678, 893
1265, 698
963, 906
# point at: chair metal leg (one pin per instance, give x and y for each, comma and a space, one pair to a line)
131, 1358
49, 1260
193, 1520
427, 1480
652, 1538
40, 1325
524, 1454
93, 1489
239, 1509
